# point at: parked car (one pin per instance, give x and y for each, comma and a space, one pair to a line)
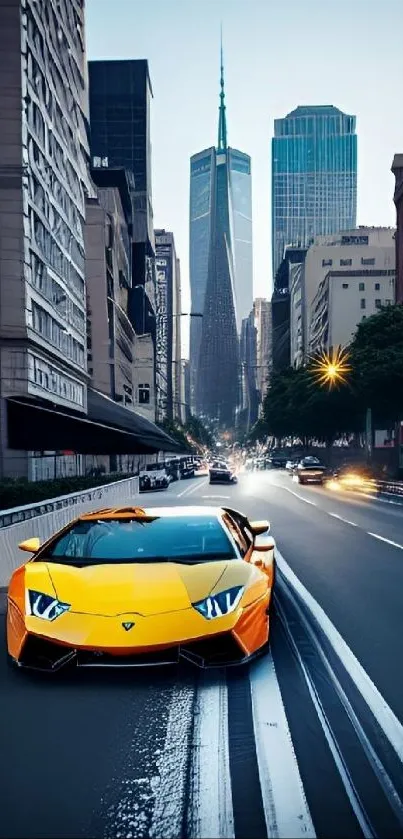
277, 460
154, 477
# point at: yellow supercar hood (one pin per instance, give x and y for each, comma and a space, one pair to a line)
148, 589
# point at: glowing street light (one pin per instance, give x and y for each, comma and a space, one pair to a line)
331, 369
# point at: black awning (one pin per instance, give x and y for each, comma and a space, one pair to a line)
36, 426
103, 409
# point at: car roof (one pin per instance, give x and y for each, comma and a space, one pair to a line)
149, 512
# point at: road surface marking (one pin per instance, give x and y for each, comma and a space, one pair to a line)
216, 496
211, 812
285, 806
390, 725
170, 787
388, 541
330, 737
346, 521
188, 491
301, 497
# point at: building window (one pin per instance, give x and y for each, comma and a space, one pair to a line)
144, 394
363, 304
377, 286
326, 262
367, 261
345, 285
362, 287
346, 262
378, 304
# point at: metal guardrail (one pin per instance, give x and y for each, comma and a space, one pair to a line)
379, 489
48, 516
15, 515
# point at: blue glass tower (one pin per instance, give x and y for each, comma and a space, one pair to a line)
221, 277
314, 176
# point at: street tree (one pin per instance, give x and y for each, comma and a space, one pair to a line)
376, 357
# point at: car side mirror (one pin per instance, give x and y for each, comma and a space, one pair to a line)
264, 543
259, 527
30, 545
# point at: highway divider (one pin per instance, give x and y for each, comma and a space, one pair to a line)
46, 517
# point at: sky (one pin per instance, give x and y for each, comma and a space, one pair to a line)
278, 54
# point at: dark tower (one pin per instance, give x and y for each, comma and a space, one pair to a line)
218, 379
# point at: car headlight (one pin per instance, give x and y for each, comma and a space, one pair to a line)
218, 605
44, 605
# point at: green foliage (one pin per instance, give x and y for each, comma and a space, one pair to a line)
176, 431
18, 492
295, 405
199, 432
194, 428
376, 357
258, 432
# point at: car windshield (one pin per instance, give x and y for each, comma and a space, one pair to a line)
164, 539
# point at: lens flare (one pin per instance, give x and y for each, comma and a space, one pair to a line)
332, 368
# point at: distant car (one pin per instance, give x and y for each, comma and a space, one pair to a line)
277, 461
133, 587
310, 470
154, 477
187, 467
220, 473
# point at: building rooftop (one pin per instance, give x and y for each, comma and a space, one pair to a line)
315, 110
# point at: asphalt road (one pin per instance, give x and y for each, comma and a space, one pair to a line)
308, 741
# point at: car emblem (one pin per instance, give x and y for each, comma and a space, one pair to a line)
127, 625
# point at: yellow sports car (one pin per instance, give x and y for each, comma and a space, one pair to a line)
134, 586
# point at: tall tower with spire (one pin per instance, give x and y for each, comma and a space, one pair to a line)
220, 271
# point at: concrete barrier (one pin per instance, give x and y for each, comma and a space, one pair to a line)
48, 516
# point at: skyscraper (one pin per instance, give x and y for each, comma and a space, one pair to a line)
44, 178
168, 339
119, 97
221, 278
314, 176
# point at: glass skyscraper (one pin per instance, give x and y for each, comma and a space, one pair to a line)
314, 176
221, 272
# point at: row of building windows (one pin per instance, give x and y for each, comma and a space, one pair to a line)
49, 329
364, 261
53, 255
49, 378
54, 187
361, 286
55, 294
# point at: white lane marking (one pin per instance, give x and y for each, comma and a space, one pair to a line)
377, 498
189, 490
301, 497
388, 541
170, 787
216, 496
346, 521
210, 809
330, 738
390, 725
285, 805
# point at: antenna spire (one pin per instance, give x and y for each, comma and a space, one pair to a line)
222, 122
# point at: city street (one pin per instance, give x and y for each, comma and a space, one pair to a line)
306, 741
